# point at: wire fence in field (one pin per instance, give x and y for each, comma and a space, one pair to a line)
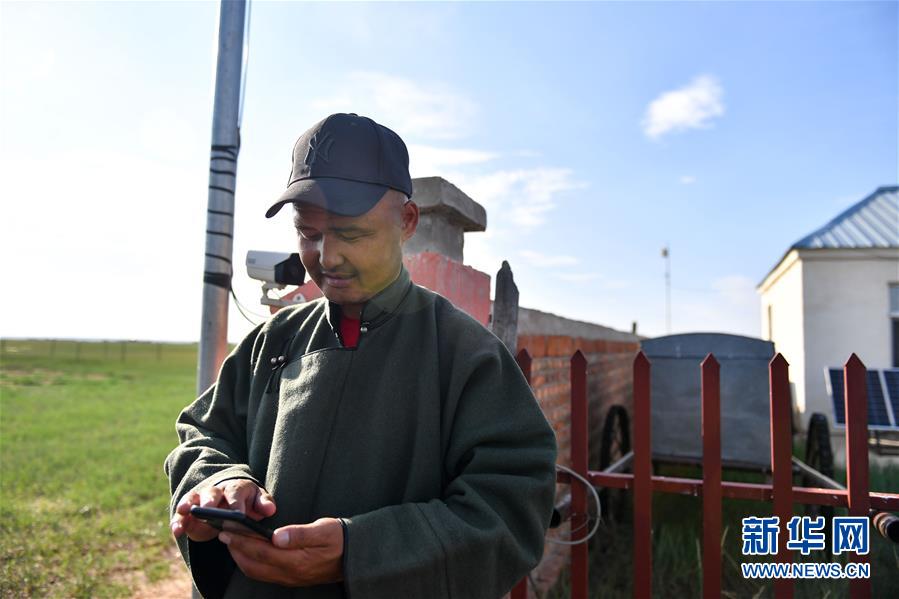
95, 350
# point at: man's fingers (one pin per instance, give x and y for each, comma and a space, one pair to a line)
234, 498
242, 495
312, 556
177, 525
193, 528
249, 498
294, 536
250, 565
324, 532
265, 504
251, 547
190, 498
210, 496
183, 523
239, 494
283, 539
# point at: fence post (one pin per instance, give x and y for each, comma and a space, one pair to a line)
856, 411
520, 591
642, 480
579, 566
711, 478
524, 362
781, 406
505, 308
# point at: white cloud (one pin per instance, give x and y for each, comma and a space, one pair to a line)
427, 161
687, 179
430, 110
543, 260
690, 107
434, 111
521, 197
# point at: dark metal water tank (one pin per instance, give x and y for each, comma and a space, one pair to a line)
675, 394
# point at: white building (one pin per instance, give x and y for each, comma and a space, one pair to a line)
835, 292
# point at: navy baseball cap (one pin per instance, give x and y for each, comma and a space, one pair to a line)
344, 164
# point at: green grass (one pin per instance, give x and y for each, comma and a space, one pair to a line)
677, 561
84, 431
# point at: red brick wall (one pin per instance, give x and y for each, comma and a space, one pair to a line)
468, 289
608, 383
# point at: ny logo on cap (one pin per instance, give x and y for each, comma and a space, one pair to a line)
319, 147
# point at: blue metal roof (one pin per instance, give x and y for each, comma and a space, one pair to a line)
871, 223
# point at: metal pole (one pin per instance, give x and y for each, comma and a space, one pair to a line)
580, 572
781, 415
855, 407
642, 496
222, 179
666, 254
711, 477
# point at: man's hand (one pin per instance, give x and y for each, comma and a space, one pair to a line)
299, 555
235, 494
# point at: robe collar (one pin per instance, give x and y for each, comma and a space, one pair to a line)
380, 307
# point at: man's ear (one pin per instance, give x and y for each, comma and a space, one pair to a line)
409, 219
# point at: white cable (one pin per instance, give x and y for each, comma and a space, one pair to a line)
243, 71
590, 486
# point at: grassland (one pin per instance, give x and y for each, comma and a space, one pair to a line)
84, 431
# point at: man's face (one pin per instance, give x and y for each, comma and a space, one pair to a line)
351, 258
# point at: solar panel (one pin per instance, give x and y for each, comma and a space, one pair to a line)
891, 377
879, 415
877, 409
836, 394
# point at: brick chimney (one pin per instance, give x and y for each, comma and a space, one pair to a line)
434, 254
446, 215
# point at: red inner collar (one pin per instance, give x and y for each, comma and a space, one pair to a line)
349, 331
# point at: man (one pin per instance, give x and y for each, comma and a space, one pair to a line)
388, 438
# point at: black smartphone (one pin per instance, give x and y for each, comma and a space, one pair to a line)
231, 521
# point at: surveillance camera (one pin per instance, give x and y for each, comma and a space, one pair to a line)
279, 268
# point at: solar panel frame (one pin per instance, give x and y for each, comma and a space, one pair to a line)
877, 411
833, 380
883, 397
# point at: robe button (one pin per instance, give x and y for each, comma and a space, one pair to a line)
280, 358
274, 360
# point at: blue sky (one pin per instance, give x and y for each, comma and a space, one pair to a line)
593, 133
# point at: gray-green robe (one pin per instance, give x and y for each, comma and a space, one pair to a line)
425, 437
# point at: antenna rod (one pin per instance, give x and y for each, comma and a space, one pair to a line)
222, 181
666, 254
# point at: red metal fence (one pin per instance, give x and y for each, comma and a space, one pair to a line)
857, 497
